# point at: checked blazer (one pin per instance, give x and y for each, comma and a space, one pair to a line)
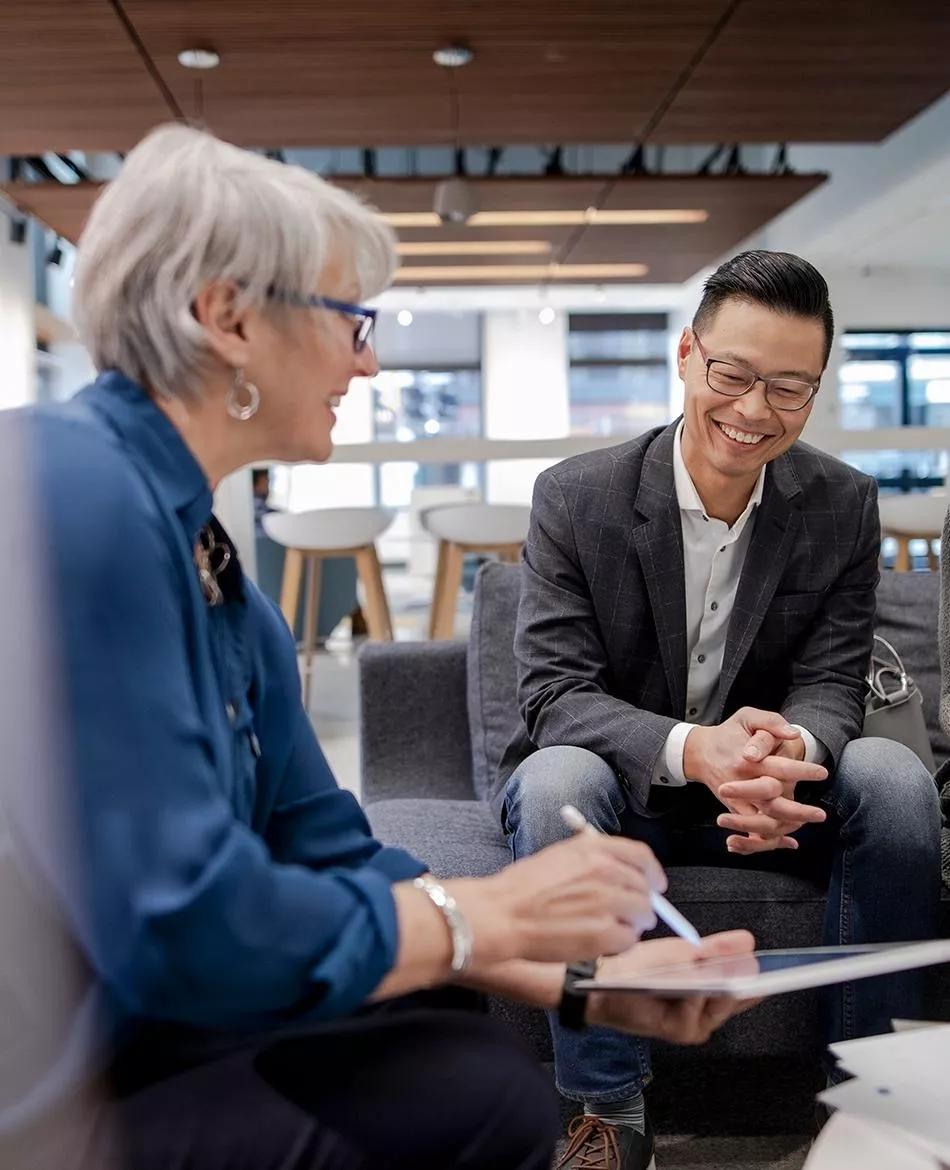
601, 634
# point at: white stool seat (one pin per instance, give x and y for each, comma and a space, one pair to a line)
913, 514
478, 525
500, 529
327, 529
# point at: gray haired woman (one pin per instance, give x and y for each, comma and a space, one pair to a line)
258, 972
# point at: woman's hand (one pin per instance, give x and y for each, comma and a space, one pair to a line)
586, 896
691, 1020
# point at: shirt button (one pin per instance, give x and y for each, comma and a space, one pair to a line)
714, 606
231, 711
694, 711
701, 659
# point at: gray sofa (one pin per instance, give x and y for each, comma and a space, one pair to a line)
435, 718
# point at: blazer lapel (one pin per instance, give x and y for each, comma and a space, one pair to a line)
776, 527
659, 545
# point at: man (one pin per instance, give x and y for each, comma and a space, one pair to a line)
260, 481
695, 627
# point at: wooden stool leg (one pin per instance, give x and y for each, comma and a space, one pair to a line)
437, 591
378, 620
933, 557
290, 585
447, 602
510, 554
311, 609
902, 560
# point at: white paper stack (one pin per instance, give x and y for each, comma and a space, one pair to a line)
896, 1112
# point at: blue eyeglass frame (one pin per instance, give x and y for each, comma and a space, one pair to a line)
365, 318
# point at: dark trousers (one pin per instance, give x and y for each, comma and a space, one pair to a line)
415, 1085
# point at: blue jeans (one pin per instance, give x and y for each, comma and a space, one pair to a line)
879, 851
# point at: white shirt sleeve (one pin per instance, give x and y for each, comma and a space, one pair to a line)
815, 750
668, 772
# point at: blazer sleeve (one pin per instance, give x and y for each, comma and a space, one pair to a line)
562, 661
829, 666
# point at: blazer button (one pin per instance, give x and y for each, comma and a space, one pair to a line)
664, 779
701, 659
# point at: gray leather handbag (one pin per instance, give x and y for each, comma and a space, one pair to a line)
894, 708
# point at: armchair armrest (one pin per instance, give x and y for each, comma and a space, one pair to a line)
414, 733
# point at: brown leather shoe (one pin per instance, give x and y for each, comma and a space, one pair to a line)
595, 1145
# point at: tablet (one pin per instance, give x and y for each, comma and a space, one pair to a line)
774, 972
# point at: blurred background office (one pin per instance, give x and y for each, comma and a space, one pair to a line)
561, 178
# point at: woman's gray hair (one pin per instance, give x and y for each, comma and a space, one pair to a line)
187, 209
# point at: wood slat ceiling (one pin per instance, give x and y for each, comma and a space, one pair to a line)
736, 207
295, 73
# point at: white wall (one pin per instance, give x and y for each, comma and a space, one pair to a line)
525, 393
17, 324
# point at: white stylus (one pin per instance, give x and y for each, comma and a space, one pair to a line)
578, 823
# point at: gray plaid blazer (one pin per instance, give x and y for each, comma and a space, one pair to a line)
601, 635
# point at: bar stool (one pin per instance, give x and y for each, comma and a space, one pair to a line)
330, 532
468, 528
913, 516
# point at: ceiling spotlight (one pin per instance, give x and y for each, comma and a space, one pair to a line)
455, 201
546, 316
199, 59
452, 56
404, 317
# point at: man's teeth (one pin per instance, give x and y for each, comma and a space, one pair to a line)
740, 436
336, 400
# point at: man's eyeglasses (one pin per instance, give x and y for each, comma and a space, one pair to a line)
364, 320
733, 381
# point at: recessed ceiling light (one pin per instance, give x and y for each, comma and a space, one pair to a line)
572, 218
414, 273
199, 59
546, 316
474, 248
404, 317
452, 56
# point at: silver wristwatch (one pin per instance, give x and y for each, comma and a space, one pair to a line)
454, 918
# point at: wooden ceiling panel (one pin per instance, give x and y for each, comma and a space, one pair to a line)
70, 78
364, 75
735, 206
295, 73
844, 70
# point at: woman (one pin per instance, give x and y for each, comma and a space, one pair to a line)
252, 949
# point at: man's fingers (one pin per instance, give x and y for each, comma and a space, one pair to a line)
749, 845
745, 792
758, 823
760, 745
783, 809
755, 720
793, 771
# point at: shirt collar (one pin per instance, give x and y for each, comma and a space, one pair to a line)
686, 494
154, 442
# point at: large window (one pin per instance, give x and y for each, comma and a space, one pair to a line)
429, 387
619, 380
895, 379
898, 378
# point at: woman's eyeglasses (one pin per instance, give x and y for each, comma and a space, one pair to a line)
364, 320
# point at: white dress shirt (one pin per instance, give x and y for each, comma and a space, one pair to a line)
713, 556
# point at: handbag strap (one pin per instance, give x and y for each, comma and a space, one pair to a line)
874, 678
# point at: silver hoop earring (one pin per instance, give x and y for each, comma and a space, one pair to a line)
242, 411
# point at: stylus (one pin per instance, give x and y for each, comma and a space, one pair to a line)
578, 823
